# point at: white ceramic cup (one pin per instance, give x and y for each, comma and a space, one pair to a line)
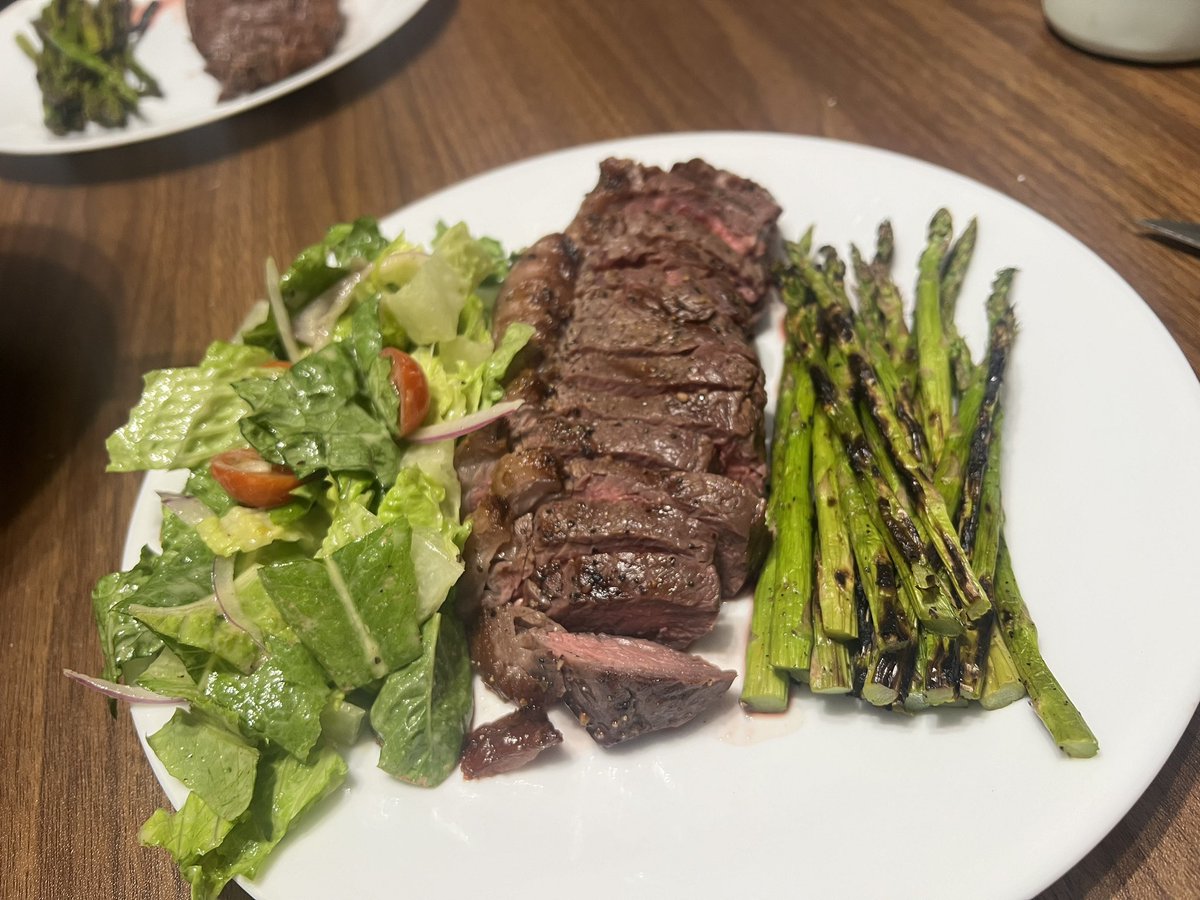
1160, 31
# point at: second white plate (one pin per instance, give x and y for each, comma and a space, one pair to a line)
190, 95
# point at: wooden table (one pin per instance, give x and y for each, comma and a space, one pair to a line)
118, 262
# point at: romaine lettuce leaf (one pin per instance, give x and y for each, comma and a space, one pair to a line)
181, 574
202, 625
356, 610
281, 700
241, 530
428, 304
320, 266
187, 834
187, 415
284, 789
419, 500
323, 412
216, 764
422, 711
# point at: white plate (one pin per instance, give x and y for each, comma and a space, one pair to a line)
166, 52
833, 799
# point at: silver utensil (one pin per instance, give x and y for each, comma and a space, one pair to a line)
1184, 232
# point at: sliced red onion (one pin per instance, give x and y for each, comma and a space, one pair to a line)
282, 320
126, 692
191, 510
225, 591
456, 428
314, 324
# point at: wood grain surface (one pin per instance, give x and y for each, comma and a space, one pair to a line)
117, 262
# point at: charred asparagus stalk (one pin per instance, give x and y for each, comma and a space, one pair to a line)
933, 357
835, 577
1050, 701
791, 637
830, 671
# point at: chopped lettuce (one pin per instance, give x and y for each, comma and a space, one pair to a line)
211, 850
216, 764
342, 589
186, 416
356, 609
181, 574
422, 711
281, 700
201, 625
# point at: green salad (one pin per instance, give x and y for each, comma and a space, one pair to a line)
302, 586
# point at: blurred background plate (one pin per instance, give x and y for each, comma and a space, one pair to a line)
167, 53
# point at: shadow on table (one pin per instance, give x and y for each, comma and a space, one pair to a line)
280, 117
57, 357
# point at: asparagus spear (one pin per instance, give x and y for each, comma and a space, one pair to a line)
1003, 330
933, 359
1050, 701
892, 619
1002, 684
764, 688
835, 581
791, 638
954, 270
830, 671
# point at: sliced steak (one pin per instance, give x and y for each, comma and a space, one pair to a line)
610, 321
736, 514
659, 596
710, 367
525, 477
490, 531
508, 743
719, 414
667, 447
248, 44
475, 458
539, 291
619, 688
506, 651
566, 528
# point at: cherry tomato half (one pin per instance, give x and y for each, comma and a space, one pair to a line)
413, 388
251, 480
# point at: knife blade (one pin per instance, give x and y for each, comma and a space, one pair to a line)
1184, 232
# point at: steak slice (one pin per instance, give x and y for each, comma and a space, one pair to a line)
539, 291
619, 687
736, 514
507, 653
709, 367
716, 413
248, 44
615, 321
475, 459
508, 743
658, 596
666, 447
566, 528
523, 478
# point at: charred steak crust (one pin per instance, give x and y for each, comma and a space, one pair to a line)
625, 497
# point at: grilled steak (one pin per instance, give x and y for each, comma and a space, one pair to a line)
248, 44
619, 688
660, 596
623, 500
507, 652
508, 743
